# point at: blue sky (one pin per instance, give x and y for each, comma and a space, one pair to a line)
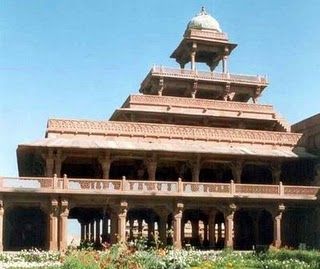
81, 59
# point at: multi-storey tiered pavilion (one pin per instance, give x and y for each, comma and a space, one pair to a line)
193, 159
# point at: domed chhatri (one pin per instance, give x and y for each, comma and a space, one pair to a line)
204, 21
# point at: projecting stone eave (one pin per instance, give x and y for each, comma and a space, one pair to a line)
214, 110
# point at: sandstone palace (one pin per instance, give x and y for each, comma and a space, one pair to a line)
193, 160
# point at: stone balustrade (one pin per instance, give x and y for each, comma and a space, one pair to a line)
205, 76
159, 188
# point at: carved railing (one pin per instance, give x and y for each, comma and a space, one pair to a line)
206, 188
153, 130
256, 188
203, 75
168, 188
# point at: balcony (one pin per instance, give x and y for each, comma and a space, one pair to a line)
111, 187
159, 71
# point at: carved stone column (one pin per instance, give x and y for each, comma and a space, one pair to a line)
104, 227
225, 64
82, 231
105, 162
122, 219
194, 89
151, 228
195, 229
140, 226
53, 225
151, 164
92, 234
162, 225
98, 241
256, 94
160, 86
177, 220
195, 168
59, 157
236, 168
193, 56
131, 221
277, 225
229, 225
212, 220
1, 224
49, 167
49, 160
63, 225
276, 172
114, 227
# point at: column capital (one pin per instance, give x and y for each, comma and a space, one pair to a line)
230, 210
64, 208
277, 211
54, 207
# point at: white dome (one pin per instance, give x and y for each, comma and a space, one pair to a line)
204, 21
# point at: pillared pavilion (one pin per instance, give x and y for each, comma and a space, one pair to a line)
193, 159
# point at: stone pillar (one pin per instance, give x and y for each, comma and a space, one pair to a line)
151, 164
83, 231
98, 241
1, 224
205, 231
104, 227
163, 231
162, 226
195, 169
140, 226
92, 231
256, 94
277, 225
225, 64
151, 228
53, 225
177, 220
212, 237
229, 225
49, 166
194, 89
122, 219
87, 232
63, 225
114, 227
193, 56
105, 162
236, 168
131, 222
195, 229
276, 172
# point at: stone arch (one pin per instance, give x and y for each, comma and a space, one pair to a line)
25, 228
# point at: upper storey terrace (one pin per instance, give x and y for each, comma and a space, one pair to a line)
203, 42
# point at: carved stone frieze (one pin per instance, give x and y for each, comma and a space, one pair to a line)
130, 129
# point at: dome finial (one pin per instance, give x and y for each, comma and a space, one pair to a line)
203, 11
